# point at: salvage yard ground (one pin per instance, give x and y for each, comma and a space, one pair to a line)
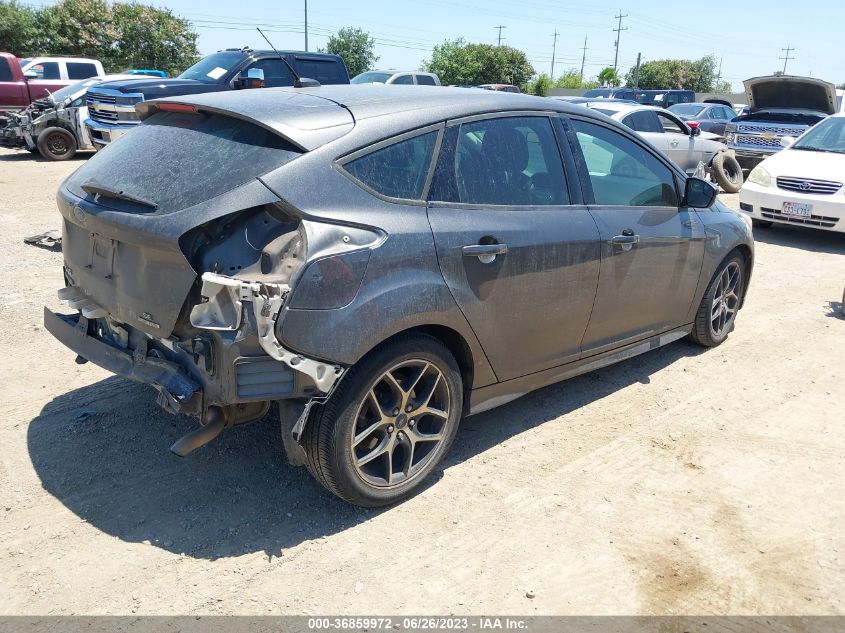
681, 481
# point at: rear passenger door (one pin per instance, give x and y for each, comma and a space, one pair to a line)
651, 248
517, 247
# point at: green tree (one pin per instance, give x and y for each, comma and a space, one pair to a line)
148, 37
19, 28
356, 47
457, 62
80, 28
571, 78
541, 85
683, 74
609, 77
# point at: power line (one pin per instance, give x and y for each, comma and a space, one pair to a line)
786, 57
618, 30
500, 27
554, 49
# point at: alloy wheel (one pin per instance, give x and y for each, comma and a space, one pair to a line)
400, 423
725, 299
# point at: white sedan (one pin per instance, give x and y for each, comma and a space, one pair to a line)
802, 184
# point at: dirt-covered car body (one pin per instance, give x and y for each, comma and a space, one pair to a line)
63, 110
265, 242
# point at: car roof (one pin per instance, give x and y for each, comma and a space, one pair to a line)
311, 117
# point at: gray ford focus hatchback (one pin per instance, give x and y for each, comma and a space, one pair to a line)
382, 261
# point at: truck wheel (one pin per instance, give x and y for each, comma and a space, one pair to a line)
389, 424
56, 143
727, 172
716, 314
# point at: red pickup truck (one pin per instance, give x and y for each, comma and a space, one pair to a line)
22, 81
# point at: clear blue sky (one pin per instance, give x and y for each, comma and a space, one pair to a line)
748, 36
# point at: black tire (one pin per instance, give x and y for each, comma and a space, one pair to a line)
329, 435
56, 143
727, 172
705, 331
761, 224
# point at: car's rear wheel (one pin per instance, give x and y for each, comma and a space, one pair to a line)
717, 312
389, 424
56, 143
727, 172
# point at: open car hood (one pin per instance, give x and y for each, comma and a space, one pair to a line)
801, 93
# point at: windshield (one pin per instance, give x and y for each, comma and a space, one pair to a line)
827, 136
371, 78
214, 67
176, 160
686, 109
599, 92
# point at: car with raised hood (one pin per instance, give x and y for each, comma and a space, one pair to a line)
54, 125
779, 106
382, 266
804, 184
682, 141
111, 107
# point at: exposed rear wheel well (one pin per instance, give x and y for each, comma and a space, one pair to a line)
452, 340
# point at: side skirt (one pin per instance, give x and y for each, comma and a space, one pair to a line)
493, 396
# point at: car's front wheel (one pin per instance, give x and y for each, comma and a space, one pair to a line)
717, 312
389, 424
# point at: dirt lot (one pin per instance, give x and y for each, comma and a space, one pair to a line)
681, 481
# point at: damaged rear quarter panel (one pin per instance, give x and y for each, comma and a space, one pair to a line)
403, 287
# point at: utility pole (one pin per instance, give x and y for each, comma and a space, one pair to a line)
637, 71
719, 75
500, 27
554, 49
583, 58
618, 30
786, 57
306, 26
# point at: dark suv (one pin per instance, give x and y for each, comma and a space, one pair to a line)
382, 261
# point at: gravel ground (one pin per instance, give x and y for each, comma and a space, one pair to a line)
681, 481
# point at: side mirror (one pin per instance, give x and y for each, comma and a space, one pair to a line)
787, 141
699, 193
30, 74
251, 78
694, 128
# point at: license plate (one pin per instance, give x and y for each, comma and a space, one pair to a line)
797, 208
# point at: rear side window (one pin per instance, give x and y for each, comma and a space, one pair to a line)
511, 161
425, 80
403, 80
623, 173
326, 71
643, 122
80, 70
177, 160
5, 72
398, 170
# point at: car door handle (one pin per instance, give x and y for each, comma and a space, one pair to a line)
625, 239
479, 250
673, 143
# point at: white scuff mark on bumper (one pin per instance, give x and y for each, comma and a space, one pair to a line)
222, 309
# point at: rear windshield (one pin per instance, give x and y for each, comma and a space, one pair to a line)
598, 92
176, 160
686, 109
371, 78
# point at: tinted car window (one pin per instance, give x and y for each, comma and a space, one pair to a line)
507, 161
398, 170
80, 70
210, 69
326, 71
47, 70
403, 79
622, 172
276, 72
5, 72
643, 122
177, 160
598, 92
425, 80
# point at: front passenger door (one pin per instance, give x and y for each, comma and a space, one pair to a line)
651, 250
